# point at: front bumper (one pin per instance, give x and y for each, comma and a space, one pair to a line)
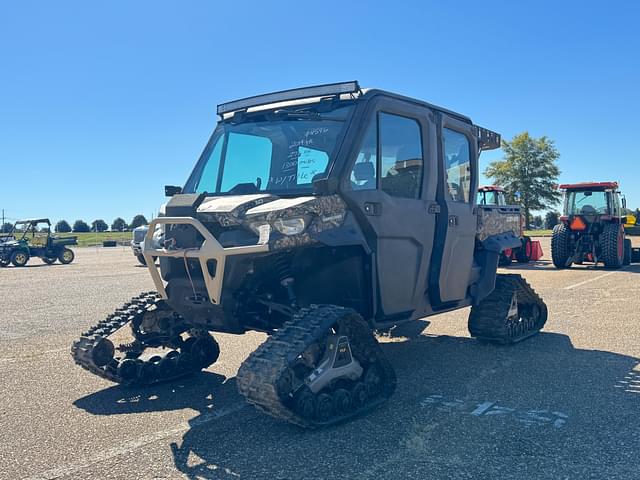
210, 249
137, 250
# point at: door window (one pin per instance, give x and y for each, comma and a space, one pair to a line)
401, 156
457, 161
363, 175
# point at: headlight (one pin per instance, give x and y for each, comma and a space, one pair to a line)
290, 226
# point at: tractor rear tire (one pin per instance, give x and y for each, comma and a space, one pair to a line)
612, 241
66, 256
561, 246
19, 258
49, 260
628, 251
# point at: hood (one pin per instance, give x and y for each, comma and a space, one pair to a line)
230, 209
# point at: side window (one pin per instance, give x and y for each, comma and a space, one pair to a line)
241, 146
363, 175
457, 162
401, 162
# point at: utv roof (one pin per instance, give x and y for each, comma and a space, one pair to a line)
34, 221
590, 186
345, 90
490, 188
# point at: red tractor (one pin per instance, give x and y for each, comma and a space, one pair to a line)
492, 196
591, 228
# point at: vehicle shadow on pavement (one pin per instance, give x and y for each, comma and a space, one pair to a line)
547, 405
195, 391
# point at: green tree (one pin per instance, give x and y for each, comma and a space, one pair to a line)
80, 226
138, 220
6, 228
551, 220
528, 172
537, 221
63, 226
119, 225
99, 225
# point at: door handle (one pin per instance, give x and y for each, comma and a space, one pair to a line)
433, 208
453, 220
372, 208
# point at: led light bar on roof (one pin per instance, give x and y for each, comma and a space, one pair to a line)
286, 95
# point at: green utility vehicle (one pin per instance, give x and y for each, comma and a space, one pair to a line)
26, 241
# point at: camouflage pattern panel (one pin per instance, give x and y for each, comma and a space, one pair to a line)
230, 210
321, 213
494, 220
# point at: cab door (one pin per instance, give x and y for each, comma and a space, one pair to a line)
390, 189
456, 227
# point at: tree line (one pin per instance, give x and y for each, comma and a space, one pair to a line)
99, 225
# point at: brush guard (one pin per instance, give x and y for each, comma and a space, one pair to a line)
210, 249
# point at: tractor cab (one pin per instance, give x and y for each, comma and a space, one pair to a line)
591, 228
587, 203
491, 195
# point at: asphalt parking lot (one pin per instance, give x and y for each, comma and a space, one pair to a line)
564, 404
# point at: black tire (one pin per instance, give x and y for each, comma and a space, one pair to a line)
628, 251
19, 258
4, 263
612, 242
66, 256
504, 260
523, 254
49, 261
561, 246
141, 259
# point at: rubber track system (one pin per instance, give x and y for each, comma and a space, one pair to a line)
490, 320
128, 368
263, 379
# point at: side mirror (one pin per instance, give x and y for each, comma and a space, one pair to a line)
171, 190
324, 186
624, 203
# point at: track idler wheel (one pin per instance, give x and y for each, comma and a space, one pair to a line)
103, 352
204, 350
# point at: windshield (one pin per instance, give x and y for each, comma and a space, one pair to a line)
587, 203
276, 151
491, 198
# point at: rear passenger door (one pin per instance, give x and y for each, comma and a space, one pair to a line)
457, 223
391, 184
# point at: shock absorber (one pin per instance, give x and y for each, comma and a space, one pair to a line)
283, 267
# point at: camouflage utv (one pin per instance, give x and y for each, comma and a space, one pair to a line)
319, 215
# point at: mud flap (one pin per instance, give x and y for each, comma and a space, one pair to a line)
487, 258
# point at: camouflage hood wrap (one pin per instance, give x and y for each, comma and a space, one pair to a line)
320, 213
230, 210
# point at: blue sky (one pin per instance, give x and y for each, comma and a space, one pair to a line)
103, 103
